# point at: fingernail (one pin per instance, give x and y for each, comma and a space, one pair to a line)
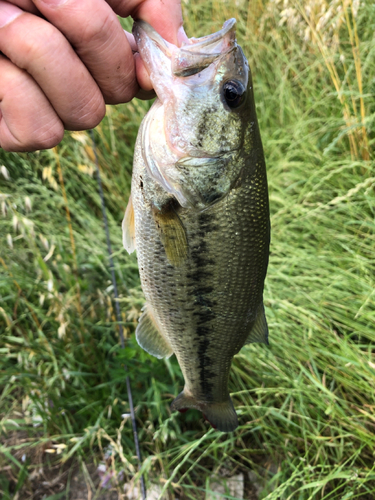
8, 12
131, 41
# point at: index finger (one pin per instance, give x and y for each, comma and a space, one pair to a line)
165, 16
95, 32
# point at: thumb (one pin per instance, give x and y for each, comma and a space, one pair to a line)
166, 18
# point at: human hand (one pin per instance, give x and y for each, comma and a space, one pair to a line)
58, 71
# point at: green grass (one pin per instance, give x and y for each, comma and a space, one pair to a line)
306, 402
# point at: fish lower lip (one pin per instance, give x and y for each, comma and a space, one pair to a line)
208, 156
153, 35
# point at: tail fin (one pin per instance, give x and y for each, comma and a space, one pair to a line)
221, 416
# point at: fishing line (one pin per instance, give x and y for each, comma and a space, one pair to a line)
118, 312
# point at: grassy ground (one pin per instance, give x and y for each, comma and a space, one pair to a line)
306, 402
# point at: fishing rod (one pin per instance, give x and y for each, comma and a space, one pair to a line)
118, 312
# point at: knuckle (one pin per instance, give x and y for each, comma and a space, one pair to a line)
121, 93
49, 137
27, 120
94, 119
33, 48
44, 138
96, 30
90, 115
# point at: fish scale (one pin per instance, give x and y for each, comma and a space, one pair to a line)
203, 297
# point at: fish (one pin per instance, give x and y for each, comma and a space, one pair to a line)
198, 214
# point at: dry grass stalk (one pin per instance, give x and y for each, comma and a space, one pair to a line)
72, 242
322, 21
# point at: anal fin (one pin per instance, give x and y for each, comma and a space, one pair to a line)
150, 338
128, 229
259, 331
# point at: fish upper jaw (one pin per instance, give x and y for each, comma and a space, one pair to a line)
198, 53
193, 55
165, 61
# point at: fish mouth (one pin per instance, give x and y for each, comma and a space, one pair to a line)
209, 42
196, 54
148, 30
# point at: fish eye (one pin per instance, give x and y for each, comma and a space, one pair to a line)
234, 93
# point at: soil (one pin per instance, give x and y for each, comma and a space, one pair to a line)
46, 475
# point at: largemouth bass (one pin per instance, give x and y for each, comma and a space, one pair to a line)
198, 214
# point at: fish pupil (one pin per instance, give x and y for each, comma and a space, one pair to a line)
234, 93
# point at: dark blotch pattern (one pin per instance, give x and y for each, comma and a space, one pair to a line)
199, 279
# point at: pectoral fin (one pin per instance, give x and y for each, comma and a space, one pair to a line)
128, 229
150, 338
259, 332
172, 234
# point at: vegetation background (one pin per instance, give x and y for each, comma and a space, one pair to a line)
306, 402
